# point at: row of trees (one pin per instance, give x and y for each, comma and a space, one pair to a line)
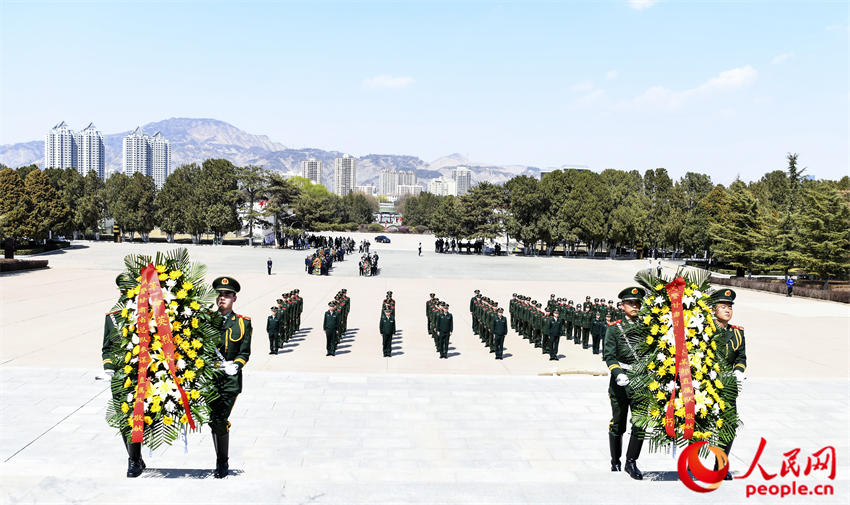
777, 223
215, 197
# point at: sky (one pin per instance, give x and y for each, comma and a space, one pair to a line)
725, 88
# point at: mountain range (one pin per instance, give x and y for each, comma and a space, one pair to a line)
194, 140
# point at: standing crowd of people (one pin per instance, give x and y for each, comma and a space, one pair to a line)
336, 321
284, 320
440, 324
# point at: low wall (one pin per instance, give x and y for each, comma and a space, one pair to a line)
778, 286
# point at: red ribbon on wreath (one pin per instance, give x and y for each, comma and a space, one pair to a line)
675, 290
152, 303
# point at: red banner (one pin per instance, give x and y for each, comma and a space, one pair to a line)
683, 365
151, 302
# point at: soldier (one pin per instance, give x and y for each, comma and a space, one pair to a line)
445, 325
731, 346
597, 330
330, 326
387, 328
587, 303
273, 329
586, 319
473, 305
619, 354
500, 329
135, 463
547, 316
569, 314
554, 325
235, 349
389, 303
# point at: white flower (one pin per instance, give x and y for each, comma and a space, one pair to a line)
130, 346
669, 387
697, 294
187, 311
170, 406
181, 364
134, 359
695, 341
712, 375
129, 397
135, 339
715, 408
696, 385
688, 301
131, 305
171, 283
659, 300
661, 356
168, 296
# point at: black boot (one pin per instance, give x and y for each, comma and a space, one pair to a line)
615, 444
632, 454
221, 443
726, 449
135, 463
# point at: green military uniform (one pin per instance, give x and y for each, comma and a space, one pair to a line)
732, 348
330, 326
553, 330
234, 349
445, 326
500, 329
273, 329
619, 354
386, 326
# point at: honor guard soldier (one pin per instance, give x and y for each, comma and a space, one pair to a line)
330, 327
473, 306
235, 349
135, 463
619, 354
387, 328
445, 326
389, 303
554, 324
731, 346
500, 329
273, 329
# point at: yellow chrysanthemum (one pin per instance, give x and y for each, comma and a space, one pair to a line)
664, 329
167, 420
722, 404
131, 293
148, 420
176, 325
125, 408
175, 274
184, 419
155, 407
698, 376
651, 365
654, 412
659, 287
135, 350
173, 304
195, 394
653, 385
160, 269
192, 354
647, 319
703, 345
127, 357
124, 312
188, 285
689, 346
680, 412
689, 291
128, 369
189, 375
662, 344
197, 344
195, 305
181, 294
130, 421
124, 332
157, 345
714, 345
719, 423
654, 329
659, 395
187, 332
649, 340
718, 384
194, 322
656, 310
163, 277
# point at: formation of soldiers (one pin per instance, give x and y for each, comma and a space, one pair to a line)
489, 322
440, 324
336, 321
284, 320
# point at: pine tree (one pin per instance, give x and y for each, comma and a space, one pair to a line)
824, 231
736, 240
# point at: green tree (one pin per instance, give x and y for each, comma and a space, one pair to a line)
117, 206
68, 186
140, 193
252, 181
737, 240
173, 201
282, 194
528, 209
12, 205
586, 206
90, 208
220, 197
358, 208
480, 211
446, 219
23, 171
824, 234
696, 234
42, 206
419, 210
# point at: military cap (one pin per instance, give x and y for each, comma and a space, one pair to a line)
122, 277
225, 284
632, 293
587, 298
389, 292
330, 304
477, 291
430, 294
596, 299
552, 295
570, 301
279, 300
274, 307
724, 296
501, 309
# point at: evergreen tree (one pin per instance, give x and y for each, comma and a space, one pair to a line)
738, 237
12, 206
824, 234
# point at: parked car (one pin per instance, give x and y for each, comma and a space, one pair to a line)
382, 239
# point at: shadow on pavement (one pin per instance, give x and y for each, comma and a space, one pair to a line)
183, 473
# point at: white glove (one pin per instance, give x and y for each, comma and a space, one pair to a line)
623, 380
741, 376
109, 373
106, 375
230, 368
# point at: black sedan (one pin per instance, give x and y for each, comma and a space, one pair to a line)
383, 239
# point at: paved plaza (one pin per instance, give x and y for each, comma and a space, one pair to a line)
361, 428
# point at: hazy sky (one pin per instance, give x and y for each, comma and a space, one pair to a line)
725, 88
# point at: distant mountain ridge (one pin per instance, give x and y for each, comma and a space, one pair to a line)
196, 139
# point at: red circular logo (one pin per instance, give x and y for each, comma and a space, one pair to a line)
689, 460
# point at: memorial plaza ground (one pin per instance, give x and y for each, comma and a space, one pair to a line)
363, 429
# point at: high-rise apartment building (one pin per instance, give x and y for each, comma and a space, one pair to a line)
463, 180
387, 182
147, 155
312, 169
408, 189
345, 175
443, 186
90, 151
66, 148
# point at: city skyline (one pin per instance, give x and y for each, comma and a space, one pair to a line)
606, 84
